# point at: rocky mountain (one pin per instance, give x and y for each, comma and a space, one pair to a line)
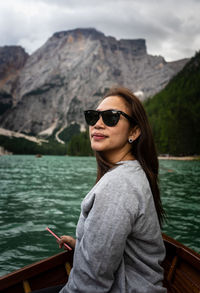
71, 72
12, 60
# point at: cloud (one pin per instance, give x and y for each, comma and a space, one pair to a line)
171, 28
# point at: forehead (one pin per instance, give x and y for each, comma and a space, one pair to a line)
113, 102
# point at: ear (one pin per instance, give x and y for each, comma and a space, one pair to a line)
135, 133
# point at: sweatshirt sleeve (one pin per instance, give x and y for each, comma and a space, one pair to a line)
106, 225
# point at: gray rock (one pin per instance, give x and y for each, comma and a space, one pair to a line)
12, 60
72, 71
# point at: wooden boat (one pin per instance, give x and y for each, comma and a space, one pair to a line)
181, 267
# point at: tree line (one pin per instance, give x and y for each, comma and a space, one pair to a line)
174, 112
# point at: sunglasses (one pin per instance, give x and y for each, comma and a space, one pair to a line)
110, 117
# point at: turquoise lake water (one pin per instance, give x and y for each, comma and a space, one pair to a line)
47, 191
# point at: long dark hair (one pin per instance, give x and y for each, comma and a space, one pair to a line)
143, 148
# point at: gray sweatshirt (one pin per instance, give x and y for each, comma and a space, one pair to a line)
119, 245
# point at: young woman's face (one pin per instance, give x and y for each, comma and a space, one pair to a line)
112, 141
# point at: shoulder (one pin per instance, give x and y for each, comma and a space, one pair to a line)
123, 189
126, 180
127, 174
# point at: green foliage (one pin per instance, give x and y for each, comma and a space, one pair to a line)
69, 132
24, 146
80, 145
174, 112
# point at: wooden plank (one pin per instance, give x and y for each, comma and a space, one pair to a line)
182, 268
35, 269
26, 285
181, 271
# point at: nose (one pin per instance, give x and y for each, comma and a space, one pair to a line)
99, 123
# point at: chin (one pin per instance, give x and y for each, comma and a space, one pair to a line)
97, 148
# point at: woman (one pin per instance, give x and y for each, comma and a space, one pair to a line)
118, 246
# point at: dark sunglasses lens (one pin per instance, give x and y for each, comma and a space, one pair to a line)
110, 118
91, 117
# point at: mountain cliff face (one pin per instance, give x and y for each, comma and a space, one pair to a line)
72, 71
12, 60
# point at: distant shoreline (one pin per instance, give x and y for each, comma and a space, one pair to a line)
186, 158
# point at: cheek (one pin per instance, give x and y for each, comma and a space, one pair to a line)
120, 135
121, 138
90, 130
123, 130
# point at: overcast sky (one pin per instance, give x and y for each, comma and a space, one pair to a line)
171, 27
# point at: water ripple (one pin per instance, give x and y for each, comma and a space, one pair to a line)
35, 193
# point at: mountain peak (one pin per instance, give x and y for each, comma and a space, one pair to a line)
71, 72
11, 56
86, 32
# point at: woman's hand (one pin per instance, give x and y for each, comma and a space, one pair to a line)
68, 240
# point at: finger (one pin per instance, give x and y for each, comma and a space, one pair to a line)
60, 243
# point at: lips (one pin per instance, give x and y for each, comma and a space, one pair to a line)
98, 136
